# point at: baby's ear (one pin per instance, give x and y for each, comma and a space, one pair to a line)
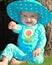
47, 3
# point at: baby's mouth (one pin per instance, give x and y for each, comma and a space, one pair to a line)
28, 22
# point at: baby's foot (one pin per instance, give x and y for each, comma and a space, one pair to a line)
3, 63
16, 62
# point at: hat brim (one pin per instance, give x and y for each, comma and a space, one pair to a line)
14, 9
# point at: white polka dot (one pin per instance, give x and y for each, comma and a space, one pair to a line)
46, 20
11, 16
26, 8
46, 13
25, 4
16, 4
9, 8
30, 4
20, 4
41, 12
21, 8
36, 8
35, 4
30, 8
15, 16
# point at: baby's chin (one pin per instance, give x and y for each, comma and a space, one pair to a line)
29, 24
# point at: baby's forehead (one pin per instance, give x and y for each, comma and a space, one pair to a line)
24, 12
30, 13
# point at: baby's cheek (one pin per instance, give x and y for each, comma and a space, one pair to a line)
34, 21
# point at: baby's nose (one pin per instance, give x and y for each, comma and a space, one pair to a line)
29, 19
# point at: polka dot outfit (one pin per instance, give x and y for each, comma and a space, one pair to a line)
27, 43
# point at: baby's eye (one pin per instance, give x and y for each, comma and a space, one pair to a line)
24, 15
32, 16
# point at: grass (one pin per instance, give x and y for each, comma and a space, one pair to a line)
47, 61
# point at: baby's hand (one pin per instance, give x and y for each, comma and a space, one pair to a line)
12, 25
36, 52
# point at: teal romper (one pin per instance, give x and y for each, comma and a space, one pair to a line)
30, 38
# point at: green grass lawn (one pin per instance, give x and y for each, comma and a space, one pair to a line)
47, 61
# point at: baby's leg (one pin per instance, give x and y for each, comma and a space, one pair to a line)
12, 51
4, 61
16, 62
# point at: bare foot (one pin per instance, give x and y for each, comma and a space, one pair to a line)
4, 61
16, 62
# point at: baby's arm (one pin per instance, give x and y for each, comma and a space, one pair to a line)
41, 41
16, 28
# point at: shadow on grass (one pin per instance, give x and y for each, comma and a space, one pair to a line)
47, 61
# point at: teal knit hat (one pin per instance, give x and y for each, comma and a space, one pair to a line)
14, 9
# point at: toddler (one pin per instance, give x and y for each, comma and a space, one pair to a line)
31, 16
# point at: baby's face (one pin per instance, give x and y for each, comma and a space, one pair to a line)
29, 18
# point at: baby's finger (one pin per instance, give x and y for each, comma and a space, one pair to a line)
9, 26
37, 53
34, 53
